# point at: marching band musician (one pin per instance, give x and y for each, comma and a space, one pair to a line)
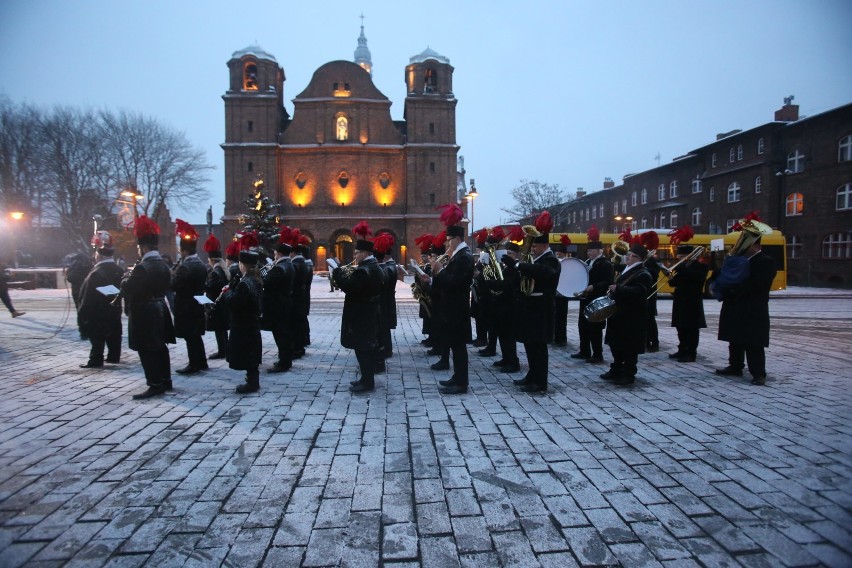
243, 302
301, 293
439, 346
560, 333
485, 316
217, 278
189, 277
278, 302
687, 304
502, 292
625, 330
651, 241
424, 242
149, 323
450, 285
601, 276
534, 312
303, 248
744, 319
382, 245
99, 319
361, 321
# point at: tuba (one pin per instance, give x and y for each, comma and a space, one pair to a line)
619, 249
751, 231
341, 274
492, 271
530, 233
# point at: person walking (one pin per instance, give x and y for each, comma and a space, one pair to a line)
5, 276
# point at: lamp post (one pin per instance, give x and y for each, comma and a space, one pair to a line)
628, 222
16, 216
470, 196
133, 195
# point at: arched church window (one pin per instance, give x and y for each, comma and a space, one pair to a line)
430, 81
342, 128
250, 77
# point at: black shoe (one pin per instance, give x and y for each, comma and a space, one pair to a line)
427, 342
449, 382
611, 375
561, 344
440, 366
522, 382
151, 392
112, 360
299, 354
361, 386
278, 368
499, 363
188, 370
487, 352
480, 343
453, 389
433, 352
652, 348
533, 387
730, 372
512, 368
217, 355
167, 384
90, 365
595, 359
676, 355
380, 367
686, 359
759, 380
580, 355
247, 388
624, 380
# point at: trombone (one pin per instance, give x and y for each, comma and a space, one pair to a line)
682, 263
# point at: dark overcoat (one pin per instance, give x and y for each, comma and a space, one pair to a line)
278, 295
359, 326
534, 314
244, 302
451, 287
744, 318
188, 280
688, 296
301, 286
626, 328
601, 276
309, 280
501, 299
652, 265
217, 314
149, 322
97, 317
389, 295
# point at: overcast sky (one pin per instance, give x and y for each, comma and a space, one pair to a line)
564, 92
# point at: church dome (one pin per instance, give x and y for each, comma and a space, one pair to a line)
255, 50
362, 53
429, 53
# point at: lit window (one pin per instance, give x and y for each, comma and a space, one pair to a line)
796, 162
734, 192
696, 186
661, 192
795, 204
342, 128
731, 155
758, 184
644, 195
633, 199
696, 216
761, 146
837, 246
712, 194
739, 152
673, 189
430, 81
844, 149
250, 77
794, 247
713, 160
673, 220
844, 197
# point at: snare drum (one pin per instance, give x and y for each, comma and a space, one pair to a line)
600, 309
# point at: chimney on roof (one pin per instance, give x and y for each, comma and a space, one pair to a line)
608, 183
789, 112
581, 192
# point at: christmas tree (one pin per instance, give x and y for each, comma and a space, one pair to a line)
262, 215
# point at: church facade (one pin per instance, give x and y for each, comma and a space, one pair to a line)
341, 158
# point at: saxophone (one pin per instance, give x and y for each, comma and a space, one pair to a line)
530, 233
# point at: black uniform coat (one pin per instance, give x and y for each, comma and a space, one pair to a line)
652, 265
601, 275
217, 316
301, 286
625, 330
389, 295
451, 288
359, 326
149, 325
97, 317
188, 280
534, 314
278, 294
744, 318
244, 304
688, 296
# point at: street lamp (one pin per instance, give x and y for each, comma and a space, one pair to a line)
133, 195
628, 222
470, 196
16, 216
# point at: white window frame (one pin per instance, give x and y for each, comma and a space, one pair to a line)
739, 152
731, 155
601, 210
615, 208
713, 160
633, 199
644, 196
794, 247
673, 189
673, 220
594, 213
697, 186
663, 219
758, 184
624, 206
796, 162
696, 216
729, 224
644, 222
843, 199
837, 246
844, 149
794, 204
761, 145
661, 192
734, 192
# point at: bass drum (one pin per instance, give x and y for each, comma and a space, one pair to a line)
573, 278
600, 309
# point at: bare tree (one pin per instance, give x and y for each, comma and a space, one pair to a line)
20, 172
533, 196
156, 161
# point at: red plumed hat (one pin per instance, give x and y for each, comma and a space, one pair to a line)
362, 230
304, 240
295, 235
480, 236
681, 235
544, 222
383, 243
625, 236
232, 251
516, 234
497, 234
593, 234
753, 216
424, 241
185, 231
102, 241
651, 240
451, 214
565, 240
439, 239
249, 240
213, 247
284, 235
147, 232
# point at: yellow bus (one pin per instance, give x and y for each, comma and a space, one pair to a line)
717, 246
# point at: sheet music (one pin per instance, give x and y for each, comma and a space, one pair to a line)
108, 290
202, 299
331, 263
416, 267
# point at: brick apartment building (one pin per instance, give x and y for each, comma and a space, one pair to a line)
797, 172
341, 158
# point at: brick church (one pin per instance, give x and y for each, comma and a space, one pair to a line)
341, 158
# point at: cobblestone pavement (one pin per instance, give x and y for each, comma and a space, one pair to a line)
682, 469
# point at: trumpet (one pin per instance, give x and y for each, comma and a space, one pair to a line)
530, 233
682, 263
443, 260
341, 274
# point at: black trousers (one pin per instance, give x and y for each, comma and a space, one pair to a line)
624, 360
385, 344
4, 296
157, 366
652, 335
367, 363
460, 362
195, 351
687, 338
591, 335
560, 334
537, 359
112, 344
508, 347
284, 342
754, 354
222, 341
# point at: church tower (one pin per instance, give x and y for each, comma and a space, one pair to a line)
362, 52
254, 112
430, 118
